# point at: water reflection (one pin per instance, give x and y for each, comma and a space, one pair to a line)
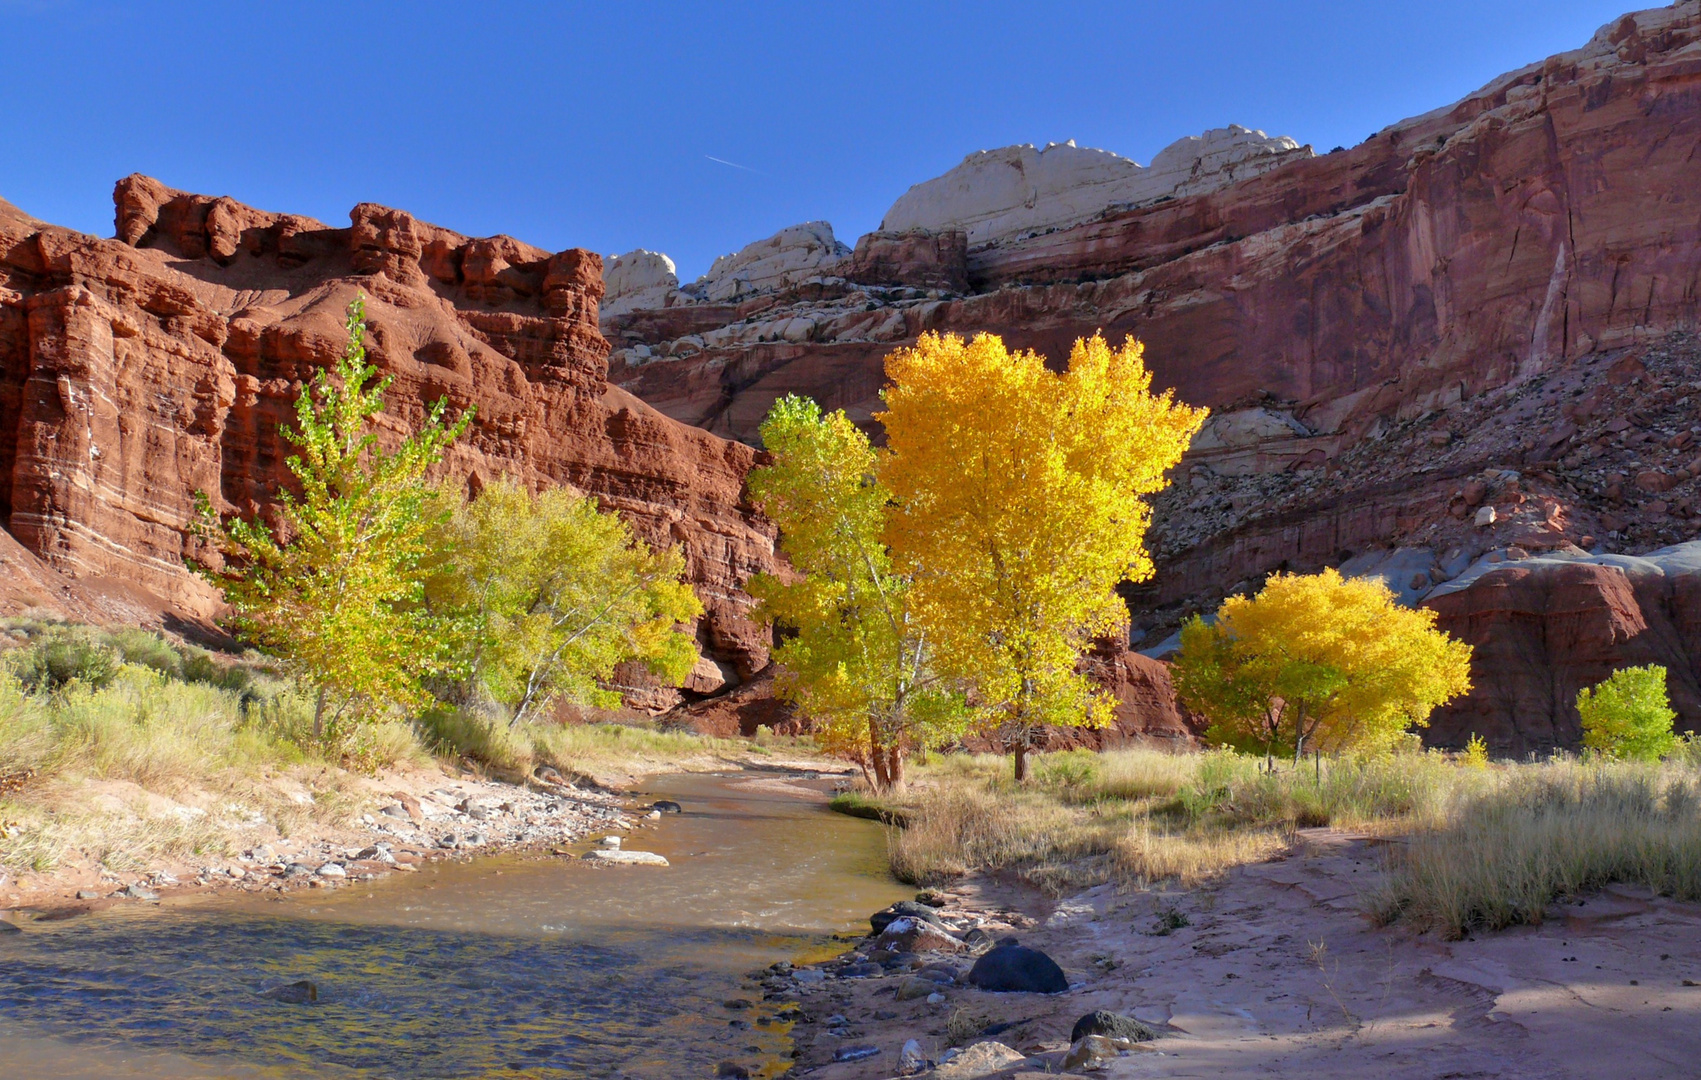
505, 967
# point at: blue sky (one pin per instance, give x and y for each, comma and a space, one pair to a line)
598, 125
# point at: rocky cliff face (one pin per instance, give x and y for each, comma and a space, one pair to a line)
1459, 342
137, 371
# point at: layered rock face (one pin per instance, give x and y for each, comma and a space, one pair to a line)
135, 372
1546, 627
1461, 341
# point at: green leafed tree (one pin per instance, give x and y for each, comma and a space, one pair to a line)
334, 583
853, 659
547, 595
1628, 715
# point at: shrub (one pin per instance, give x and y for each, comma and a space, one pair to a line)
1629, 716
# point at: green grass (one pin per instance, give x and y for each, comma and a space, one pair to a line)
128, 747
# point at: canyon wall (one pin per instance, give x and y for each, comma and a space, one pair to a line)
1465, 340
137, 371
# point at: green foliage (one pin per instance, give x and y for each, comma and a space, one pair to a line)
1629, 716
545, 595
855, 661
334, 584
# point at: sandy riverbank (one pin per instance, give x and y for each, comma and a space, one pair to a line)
1273, 970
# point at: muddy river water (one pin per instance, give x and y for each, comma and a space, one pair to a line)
507, 966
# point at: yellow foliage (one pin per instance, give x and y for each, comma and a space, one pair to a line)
1020, 506
1318, 661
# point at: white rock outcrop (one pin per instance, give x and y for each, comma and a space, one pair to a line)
794, 254
1001, 194
637, 279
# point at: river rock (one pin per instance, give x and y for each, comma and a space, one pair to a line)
138, 892
301, 992
861, 970
914, 989
1090, 1052
916, 936
667, 806
1012, 968
902, 909
614, 857
855, 1053
9, 928
981, 1059
1112, 1026
332, 870
809, 977
611, 843
911, 1061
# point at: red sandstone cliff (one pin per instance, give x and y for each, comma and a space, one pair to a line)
137, 371
1482, 308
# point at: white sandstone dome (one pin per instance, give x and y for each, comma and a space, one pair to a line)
1000, 194
637, 279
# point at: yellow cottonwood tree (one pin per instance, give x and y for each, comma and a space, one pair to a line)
1318, 661
1021, 505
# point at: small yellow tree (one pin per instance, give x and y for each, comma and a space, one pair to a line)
1318, 661
1020, 506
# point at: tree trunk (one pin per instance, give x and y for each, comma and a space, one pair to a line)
1019, 753
895, 768
882, 778
319, 715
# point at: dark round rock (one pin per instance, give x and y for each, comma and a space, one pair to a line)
903, 909
731, 1070
1111, 1026
295, 993
863, 970
1008, 968
667, 806
977, 936
891, 960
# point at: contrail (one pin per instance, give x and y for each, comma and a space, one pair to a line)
734, 164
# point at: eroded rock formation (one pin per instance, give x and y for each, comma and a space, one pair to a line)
135, 372
1462, 340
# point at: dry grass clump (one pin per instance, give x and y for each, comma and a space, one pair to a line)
1546, 832
1142, 815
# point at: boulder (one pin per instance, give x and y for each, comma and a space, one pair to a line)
911, 935
1111, 1026
1090, 1053
911, 1060
1009, 967
981, 1059
903, 909
301, 992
